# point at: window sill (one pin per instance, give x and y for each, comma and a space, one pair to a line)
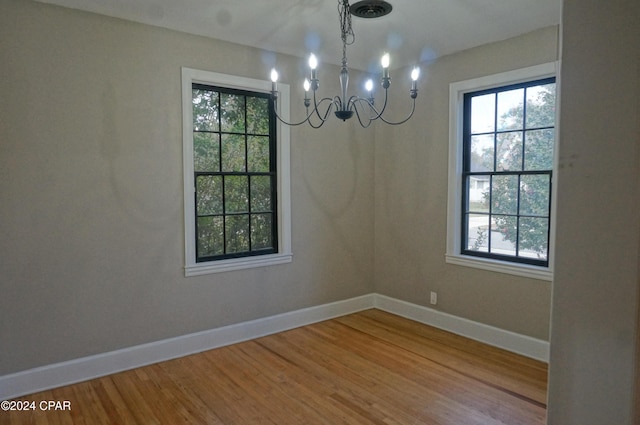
221, 266
524, 270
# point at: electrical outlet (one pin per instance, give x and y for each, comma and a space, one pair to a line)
434, 298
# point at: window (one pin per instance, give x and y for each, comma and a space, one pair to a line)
503, 138
508, 140
236, 175
234, 172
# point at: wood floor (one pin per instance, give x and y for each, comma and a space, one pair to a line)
366, 368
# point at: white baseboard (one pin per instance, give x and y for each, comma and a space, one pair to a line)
82, 369
511, 341
78, 370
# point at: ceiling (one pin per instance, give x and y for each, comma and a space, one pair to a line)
415, 31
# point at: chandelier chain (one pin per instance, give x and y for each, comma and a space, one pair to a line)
348, 36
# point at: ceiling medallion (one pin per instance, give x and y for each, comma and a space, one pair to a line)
370, 9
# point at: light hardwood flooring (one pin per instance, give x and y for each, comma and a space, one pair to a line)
370, 367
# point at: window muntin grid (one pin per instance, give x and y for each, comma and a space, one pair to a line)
235, 180
508, 142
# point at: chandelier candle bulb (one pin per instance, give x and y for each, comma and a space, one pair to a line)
385, 65
313, 64
415, 74
369, 87
307, 86
386, 80
385, 61
274, 80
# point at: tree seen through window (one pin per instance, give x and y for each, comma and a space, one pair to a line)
234, 173
509, 137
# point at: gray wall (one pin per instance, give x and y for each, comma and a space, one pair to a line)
91, 206
595, 306
411, 201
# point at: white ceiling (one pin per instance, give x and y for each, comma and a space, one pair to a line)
415, 31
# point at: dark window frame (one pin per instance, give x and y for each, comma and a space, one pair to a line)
272, 173
466, 173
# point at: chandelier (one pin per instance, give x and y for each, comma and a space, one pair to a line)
318, 110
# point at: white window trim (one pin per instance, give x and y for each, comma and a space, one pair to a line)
454, 208
284, 254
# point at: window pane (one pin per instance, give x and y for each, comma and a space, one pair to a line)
232, 113
478, 232
534, 195
257, 115
260, 193
509, 155
258, 151
510, 109
208, 195
481, 158
236, 190
503, 235
541, 106
261, 231
483, 114
504, 195
210, 236
237, 231
233, 152
538, 149
206, 152
205, 110
534, 238
478, 193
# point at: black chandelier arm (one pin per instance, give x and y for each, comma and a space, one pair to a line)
413, 109
307, 119
355, 101
316, 108
378, 114
282, 120
351, 105
321, 118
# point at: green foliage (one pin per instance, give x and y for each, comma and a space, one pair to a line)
520, 207
481, 239
231, 142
